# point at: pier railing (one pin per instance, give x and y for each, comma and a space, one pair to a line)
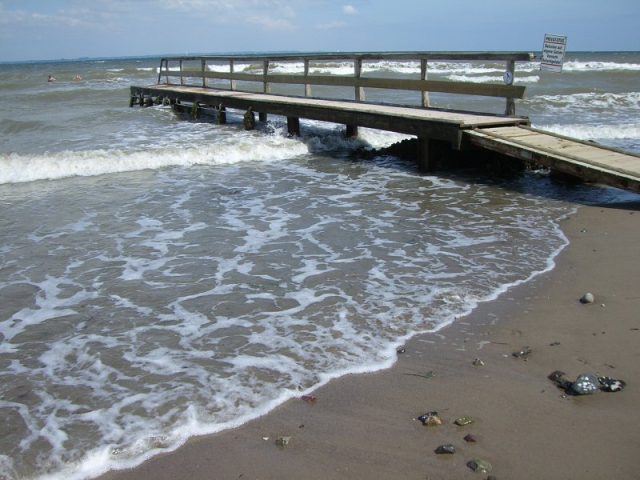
260, 73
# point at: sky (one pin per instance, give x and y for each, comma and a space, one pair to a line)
57, 29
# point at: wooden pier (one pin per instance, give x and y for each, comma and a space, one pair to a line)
213, 84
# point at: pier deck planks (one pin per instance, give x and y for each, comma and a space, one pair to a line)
508, 135
587, 160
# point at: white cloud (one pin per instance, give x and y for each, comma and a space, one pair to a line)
329, 26
349, 10
269, 23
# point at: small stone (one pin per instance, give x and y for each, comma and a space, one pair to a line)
309, 399
284, 440
585, 384
479, 465
556, 376
523, 352
470, 438
400, 350
430, 419
609, 384
587, 298
478, 363
554, 344
462, 421
445, 449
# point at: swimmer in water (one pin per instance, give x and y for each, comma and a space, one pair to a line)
51, 79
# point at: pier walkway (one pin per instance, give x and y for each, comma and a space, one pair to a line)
213, 84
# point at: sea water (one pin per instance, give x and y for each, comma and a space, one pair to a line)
163, 278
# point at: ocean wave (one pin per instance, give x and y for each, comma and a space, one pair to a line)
593, 66
492, 79
589, 104
21, 168
595, 132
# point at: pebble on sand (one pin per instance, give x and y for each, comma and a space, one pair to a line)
587, 298
284, 440
479, 465
462, 421
446, 449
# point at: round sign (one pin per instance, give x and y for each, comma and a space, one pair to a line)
508, 77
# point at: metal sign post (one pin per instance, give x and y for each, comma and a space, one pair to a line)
553, 53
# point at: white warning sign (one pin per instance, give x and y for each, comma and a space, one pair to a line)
553, 53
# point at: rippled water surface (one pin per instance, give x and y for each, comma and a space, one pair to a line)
161, 278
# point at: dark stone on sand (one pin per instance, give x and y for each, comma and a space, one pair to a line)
608, 384
470, 438
556, 376
445, 449
400, 350
430, 419
523, 352
479, 465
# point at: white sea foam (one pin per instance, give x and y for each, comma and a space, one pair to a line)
595, 132
492, 78
185, 301
598, 66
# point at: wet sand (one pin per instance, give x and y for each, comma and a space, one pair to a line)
365, 427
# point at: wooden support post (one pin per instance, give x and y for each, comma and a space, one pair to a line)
352, 131
181, 77
426, 164
141, 100
357, 65
307, 87
262, 116
511, 103
132, 101
293, 126
203, 65
423, 76
265, 72
249, 119
222, 114
194, 110
233, 82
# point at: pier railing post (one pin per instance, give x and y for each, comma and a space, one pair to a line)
203, 64
265, 72
423, 76
357, 66
181, 77
233, 83
511, 103
307, 87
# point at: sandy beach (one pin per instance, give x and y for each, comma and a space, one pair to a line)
366, 427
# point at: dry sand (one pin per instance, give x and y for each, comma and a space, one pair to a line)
365, 427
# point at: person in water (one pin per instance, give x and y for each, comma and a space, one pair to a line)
77, 77
51, 79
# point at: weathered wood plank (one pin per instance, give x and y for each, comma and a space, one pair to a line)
460, 88
593, 162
